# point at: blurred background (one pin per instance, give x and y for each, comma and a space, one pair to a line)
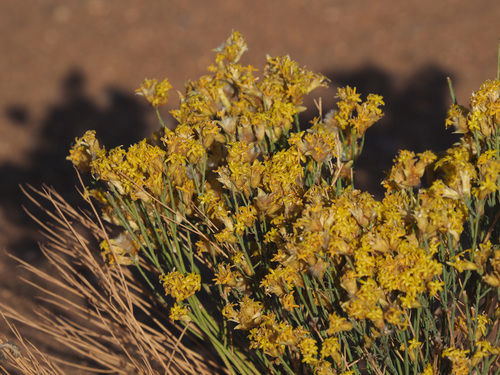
67, 66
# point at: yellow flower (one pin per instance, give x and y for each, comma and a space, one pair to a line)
85, 150
489, 170
225, 276
280, 281
408, 170
440, 214
323, 367
461, 264
395, 317
317, 143
212, 203
181, 286
283, 172
178, 312
284, 78
229, 312
231, 50
243, 263
365, 304
428, 370
348, 95
411, 349
458, 171
434, 287
272, 235
204, 246
485, 109
492, 279
268, 204
485, 349
459, 360
331, 348
483, 322
270, 336
353, 116
365, 263
155, 93
250, 314
338, 324
481, 255
457, 116
245, 218
309, 349
135, 172
288, 301
226, 236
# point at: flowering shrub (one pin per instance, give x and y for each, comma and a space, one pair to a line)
260, 239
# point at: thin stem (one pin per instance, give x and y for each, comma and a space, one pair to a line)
452, 93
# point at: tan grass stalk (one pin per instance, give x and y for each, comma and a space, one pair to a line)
105, 331
31, 361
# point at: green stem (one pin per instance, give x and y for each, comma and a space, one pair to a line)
452, 93
160, 118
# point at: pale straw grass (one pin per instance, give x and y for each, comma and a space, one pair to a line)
104, 316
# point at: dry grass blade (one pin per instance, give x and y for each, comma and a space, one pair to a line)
31, 362
106, 316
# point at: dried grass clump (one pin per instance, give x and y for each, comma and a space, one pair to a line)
118, 329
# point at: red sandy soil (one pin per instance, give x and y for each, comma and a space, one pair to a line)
68, 65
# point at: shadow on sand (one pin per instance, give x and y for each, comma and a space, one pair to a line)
122, 120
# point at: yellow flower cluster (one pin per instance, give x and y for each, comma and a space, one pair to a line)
137, 172
483, 117
352, 119
180, 312
407, 171
355, 115
248, 316
462, 361
85, 150
307, 266
155, 93
181, 286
